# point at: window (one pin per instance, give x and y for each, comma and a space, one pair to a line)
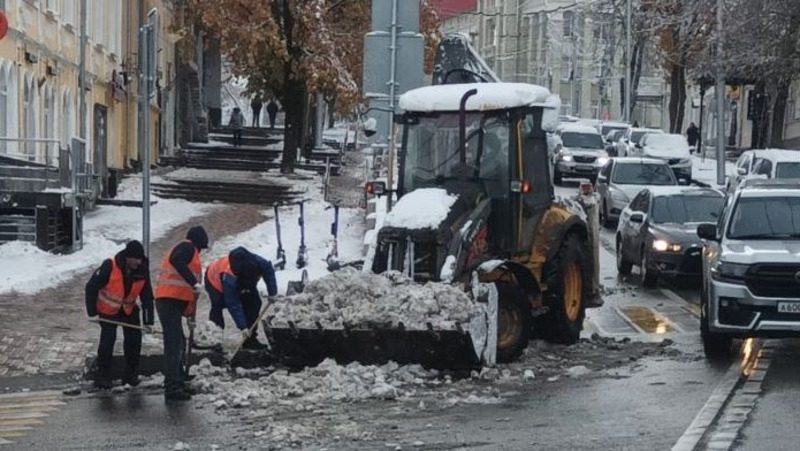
639, 203
491, 32
4, 91
29, 117
66, 119
51, 153
766, 218
683, 209
67, 8
787, 170
569, 24
566, 67
763, 167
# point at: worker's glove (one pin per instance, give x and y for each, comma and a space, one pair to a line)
245, 334
147, 329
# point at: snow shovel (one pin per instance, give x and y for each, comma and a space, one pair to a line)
117, 323
187, 356
333, 256
280, 262
302, 254
250, 331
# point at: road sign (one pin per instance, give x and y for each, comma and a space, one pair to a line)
3, 24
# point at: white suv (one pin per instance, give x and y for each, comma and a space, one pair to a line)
751, 266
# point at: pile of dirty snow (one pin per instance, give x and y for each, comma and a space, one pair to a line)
364, 300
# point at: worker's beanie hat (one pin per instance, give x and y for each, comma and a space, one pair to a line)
238, 259
197, 235
134, 249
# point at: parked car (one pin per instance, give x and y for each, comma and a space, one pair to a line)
657, 231
607, 127
623, 178
631, 138
672, 148
765, 164
611, 141
751, 266
580, 152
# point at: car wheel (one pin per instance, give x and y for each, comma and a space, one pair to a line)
715, 346
557, 177
623, 267
649, 277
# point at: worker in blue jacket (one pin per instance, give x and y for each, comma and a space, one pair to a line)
232, 283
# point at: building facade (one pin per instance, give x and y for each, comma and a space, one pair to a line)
39, 80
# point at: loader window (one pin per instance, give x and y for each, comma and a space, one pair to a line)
431, 152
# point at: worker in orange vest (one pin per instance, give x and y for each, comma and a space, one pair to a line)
111, 293
232, 282
177, 290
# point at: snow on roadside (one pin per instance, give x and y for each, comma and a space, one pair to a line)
106, 229
318, 218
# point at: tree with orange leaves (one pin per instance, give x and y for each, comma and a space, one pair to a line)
293, 48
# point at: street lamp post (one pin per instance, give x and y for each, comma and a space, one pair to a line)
628, 67
720, 95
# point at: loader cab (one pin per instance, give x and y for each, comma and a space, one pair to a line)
502, 162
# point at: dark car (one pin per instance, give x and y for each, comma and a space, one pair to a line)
658, 231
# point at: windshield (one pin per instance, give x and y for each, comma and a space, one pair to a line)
637, 136
788, 170
681, 209
606, 129
643, 174
766, 218
432, 152
582, 140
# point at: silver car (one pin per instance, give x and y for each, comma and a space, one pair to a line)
751, 266
623, 178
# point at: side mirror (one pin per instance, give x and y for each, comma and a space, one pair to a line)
707, 232
741, 171
376, 188
637, 218
602, 179
638, 145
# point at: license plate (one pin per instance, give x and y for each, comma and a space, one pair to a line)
788, 307
583, 168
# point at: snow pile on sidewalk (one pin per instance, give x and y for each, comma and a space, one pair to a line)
421, 209
360, 299
705, 171
29, 270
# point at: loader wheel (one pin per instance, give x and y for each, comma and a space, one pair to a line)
513, 323
568, 284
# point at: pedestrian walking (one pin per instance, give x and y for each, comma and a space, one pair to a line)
255, 105
232, 283
236, 124
111, 293
177, 291
272, 112
692, 136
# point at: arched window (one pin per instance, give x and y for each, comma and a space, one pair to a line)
66, 118
29, 117
50, 125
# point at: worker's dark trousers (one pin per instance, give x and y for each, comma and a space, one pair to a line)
251, 304
170, 312
132, 346
272, 119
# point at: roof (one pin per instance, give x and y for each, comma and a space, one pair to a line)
578, 128
615, 124
635, 160
659, 191
648, 130
490, 96
792, 185
778, 154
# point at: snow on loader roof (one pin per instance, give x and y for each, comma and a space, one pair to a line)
490, 96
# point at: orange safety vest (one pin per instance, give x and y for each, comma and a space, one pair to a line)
216, 270
171, 284
111, 297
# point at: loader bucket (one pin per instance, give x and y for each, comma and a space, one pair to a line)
433, 349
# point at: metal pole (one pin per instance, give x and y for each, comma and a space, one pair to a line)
719, 91
628, 67
77, 236
392, 93
147, 58
82, 74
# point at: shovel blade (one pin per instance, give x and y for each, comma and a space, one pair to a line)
434, 349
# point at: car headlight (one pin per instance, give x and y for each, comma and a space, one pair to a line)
666, 246
565, 157
729, 272
602, 160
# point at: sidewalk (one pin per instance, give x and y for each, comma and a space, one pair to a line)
48, 333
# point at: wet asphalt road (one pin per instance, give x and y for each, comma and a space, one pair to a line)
648, 405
